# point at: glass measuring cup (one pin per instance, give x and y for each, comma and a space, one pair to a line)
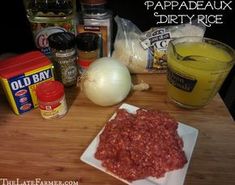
197, 67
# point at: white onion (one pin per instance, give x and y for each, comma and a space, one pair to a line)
106, 82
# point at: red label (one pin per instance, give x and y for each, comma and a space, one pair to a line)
21, 92
49, 107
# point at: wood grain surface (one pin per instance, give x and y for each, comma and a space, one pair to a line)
31, 147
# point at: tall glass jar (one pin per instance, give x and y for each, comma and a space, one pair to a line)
94, 17
50, 16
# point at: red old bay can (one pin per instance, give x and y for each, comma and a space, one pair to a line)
51, 99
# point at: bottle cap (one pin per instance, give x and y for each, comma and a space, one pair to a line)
87, 41
49, 91
62, 40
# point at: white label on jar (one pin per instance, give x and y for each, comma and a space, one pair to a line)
71, 74
55, 110
68, 69
65, 54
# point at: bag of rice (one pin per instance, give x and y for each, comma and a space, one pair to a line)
146, 52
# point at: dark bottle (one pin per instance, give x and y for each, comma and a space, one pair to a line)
94, 17
64, 57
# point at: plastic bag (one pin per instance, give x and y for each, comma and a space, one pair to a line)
127, 47
146, 52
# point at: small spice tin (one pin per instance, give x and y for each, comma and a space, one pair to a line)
64, 56
51, 99
88, 51
19, 77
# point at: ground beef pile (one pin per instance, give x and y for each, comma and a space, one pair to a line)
135, 146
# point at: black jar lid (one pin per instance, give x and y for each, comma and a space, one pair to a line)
87, 41
62, 40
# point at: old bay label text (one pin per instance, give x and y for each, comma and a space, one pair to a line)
24, 81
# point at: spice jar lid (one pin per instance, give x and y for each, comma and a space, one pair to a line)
87, 41
61, 40
50, 91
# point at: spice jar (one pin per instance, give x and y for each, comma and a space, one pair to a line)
51, 99
95, 17
87, 44
64, 57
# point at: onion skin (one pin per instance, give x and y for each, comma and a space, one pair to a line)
106, 82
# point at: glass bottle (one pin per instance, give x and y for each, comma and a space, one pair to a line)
87, 47
94, 17
50, 16
64, 57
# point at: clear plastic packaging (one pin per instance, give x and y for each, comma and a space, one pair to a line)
145, 52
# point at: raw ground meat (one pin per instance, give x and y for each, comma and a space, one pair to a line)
136, 146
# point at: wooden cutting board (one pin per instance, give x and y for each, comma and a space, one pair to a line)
31, 147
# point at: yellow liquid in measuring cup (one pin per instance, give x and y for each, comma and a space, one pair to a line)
192, 83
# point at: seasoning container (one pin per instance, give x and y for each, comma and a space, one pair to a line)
95, 17
87, 45
64, 56
19, 76
51, 99
48, 17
